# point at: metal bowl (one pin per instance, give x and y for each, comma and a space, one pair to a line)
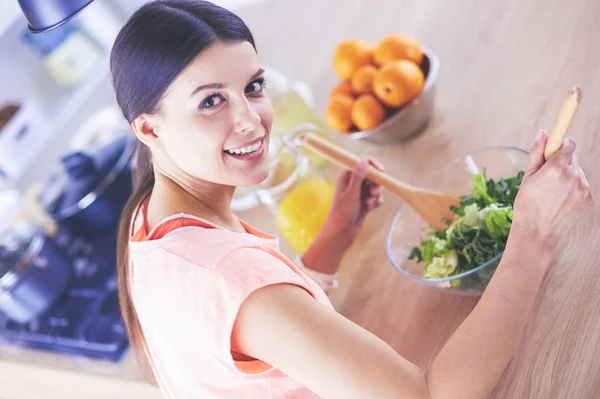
412, 118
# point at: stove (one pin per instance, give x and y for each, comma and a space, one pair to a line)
86, 320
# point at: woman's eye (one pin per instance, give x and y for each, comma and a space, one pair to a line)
212, 101
256, 86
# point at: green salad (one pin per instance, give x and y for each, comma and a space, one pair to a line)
478, 233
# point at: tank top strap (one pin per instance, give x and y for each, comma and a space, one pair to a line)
170, 224
166, 226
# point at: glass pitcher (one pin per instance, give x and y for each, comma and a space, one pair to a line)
293, 105
298, 193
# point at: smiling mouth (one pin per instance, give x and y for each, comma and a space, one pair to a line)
247, 150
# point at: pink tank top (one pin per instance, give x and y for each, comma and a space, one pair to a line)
189, 279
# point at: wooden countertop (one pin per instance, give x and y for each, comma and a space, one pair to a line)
505, 68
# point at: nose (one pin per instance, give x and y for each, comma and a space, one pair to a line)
246, 118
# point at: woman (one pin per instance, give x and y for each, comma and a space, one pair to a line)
211, 304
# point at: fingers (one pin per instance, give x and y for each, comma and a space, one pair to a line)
374, 190
373, 203
360, 172
536, 153
580, 173
575, 162
583, 181
372, 195
343, 181
348, 178
565, 154
378, 202
585, 185
375, 163
354, 183
370, 202
357, 177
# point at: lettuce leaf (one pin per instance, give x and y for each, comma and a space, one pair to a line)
505, 191
433, 248
498, 220
480, 189
479, 232
472, 216
442, 266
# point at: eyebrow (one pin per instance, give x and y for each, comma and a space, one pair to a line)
221, 85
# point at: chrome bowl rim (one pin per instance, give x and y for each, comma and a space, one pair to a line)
434, 67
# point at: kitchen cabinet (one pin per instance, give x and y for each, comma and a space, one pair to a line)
24, 79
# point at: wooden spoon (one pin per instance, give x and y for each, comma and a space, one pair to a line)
432, 206
563, 121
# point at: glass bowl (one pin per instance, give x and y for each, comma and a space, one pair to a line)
407, 226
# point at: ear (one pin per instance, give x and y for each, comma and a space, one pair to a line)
145, 128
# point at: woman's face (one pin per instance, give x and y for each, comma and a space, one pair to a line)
215, 118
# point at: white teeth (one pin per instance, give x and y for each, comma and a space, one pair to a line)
246, 150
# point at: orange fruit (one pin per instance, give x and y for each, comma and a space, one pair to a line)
338, 114
367, 112
398, 83
398, 47
350, 55
362, 81
343, 88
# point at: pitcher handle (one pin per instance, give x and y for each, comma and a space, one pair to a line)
293, 139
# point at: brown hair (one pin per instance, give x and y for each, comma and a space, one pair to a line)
159, 40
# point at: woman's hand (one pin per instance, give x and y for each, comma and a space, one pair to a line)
554, 195
354, 197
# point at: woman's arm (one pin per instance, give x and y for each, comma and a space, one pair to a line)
283, 325
474, 358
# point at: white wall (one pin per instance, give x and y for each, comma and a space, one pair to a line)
23, 77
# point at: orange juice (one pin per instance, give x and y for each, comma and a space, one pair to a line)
303, 212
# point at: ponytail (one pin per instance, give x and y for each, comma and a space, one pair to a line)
143, 183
